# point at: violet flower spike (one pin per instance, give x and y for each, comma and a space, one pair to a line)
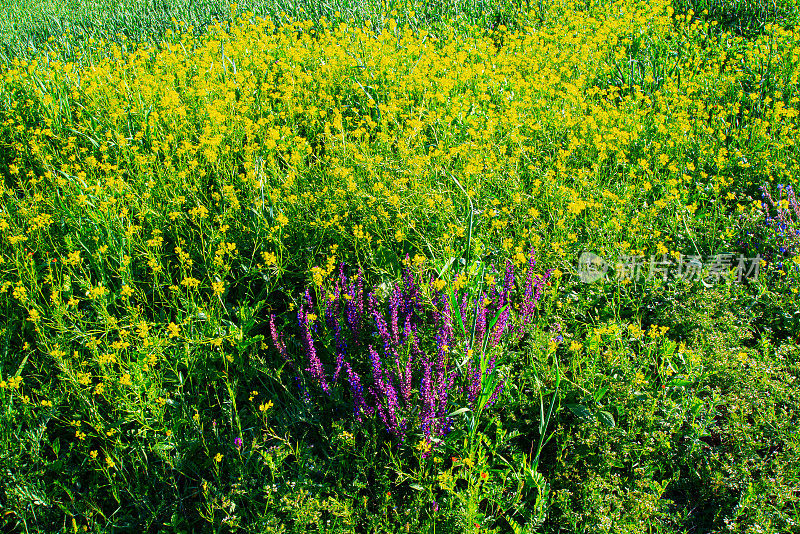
380, 325
315, 367
357, 390
279, 341
394, 310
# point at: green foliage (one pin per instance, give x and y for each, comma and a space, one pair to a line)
160, 203
743, 17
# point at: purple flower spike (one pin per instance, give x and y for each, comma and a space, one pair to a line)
394, 311
496, 394
380, 325
480, 321
279, 341
357, 390
314, 363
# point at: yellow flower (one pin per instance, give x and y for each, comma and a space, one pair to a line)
218, 457
143, 329
33, 316
318, 275
424, 447
96, 292
174, 330
218, 287
461, 281
74, 258
269, 258
190, 282
93, 454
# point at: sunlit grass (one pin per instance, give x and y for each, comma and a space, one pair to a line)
184, 203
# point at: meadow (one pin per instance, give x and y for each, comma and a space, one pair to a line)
396, 266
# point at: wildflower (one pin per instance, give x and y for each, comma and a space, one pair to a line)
218, 287
33, 316
315, 365
190, 282
174, 330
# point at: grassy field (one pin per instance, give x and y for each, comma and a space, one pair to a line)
399, 267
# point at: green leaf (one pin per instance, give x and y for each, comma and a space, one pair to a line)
21, 366
680, 382
446, 267
580, 411
460, 411
607, 419
249, 341
496, 317
455, 310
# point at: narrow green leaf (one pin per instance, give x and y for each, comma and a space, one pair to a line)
496, 317
455, 310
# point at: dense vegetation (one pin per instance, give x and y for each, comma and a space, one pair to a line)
323, 268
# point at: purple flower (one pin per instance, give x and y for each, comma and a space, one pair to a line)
314, 363
279, 342
238, 442
380, 324
497, 390
354, 308
480, 321
385, 394
357, 390
474, 385
394, 310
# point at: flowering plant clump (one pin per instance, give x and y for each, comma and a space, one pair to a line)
775, 234
412, 360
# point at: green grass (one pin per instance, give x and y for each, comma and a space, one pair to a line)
27, 27
160, 204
